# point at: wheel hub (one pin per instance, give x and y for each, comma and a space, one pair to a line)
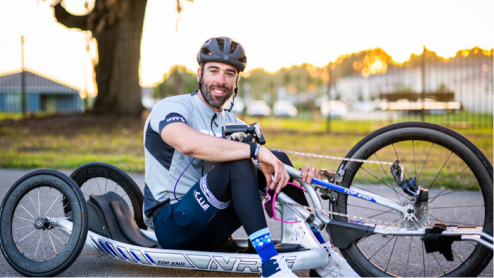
43, 224
413, 217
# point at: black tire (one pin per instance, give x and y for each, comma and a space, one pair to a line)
36, 198
444, 162
99, 178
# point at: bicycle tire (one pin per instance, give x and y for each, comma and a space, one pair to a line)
377, 256
18, 213
124, 185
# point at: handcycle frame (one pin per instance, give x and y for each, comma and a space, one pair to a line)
295, 230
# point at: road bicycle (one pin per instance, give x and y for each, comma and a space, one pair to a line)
410, 199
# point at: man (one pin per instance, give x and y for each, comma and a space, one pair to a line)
201, 188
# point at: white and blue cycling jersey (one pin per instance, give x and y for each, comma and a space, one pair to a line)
163, 164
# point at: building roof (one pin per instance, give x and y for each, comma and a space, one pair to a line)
34, 83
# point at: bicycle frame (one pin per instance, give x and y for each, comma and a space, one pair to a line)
467, 233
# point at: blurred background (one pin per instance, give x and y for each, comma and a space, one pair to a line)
334, 64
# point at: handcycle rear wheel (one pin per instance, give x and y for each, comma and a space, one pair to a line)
98, 178
31, 241
459, 179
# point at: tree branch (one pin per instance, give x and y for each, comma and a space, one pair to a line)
69, 20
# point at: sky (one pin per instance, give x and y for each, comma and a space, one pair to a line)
275, 33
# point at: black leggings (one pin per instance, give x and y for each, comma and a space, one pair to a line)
240, 182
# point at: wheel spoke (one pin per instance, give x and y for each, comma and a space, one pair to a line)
451, 153
18, 228
414, 159
32, 202
37, 246
390, 184
55, 214
382, 213
449, 222
408, 257
438, 263
391, 255
27, 211
425, 162
39, 203
51, 240
90, 189
25, 237
469, 206
54, 201
43, 247
99, 186
51, 233
25, 219
423, 260
384, 245
49, 197
441, 194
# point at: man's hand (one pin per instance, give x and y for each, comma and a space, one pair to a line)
309, 172
270, 164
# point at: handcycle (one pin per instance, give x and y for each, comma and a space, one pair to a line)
410, 199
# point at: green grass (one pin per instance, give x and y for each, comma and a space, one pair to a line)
67, 142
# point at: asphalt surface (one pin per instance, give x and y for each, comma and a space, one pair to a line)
92, 264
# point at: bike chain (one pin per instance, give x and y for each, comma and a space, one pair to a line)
354, 217
333, 157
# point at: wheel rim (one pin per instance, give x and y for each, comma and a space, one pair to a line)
454, 197
34, 234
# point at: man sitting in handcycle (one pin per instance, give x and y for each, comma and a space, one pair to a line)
194, 203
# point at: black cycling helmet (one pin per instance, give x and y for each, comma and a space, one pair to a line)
223, 50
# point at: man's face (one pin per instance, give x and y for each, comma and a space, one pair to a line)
218, 83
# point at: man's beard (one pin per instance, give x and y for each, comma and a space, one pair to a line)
215, 102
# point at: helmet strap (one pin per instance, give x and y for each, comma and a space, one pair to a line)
200, 79
234, 95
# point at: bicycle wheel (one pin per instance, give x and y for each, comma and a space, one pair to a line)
31, 241
459, 179
98, 178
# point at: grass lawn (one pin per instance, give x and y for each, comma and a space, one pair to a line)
66, 142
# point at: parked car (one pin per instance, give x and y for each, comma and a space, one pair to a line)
335, 109
258, 108
284, 108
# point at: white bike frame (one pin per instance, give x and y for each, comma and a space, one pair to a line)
471, 234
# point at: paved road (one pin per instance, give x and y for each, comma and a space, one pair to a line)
92, 264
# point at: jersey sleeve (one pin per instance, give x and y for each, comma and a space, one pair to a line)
168, 111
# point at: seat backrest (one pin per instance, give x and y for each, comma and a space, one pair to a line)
110, 216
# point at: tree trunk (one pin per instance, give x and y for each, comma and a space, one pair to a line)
117, 28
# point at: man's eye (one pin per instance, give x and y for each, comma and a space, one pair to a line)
213, 71
230, 74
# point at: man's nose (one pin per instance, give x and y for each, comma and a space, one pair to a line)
221, 78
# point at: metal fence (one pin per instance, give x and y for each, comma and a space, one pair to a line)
456, 92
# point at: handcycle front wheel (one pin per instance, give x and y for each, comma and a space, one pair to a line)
98, 178
459, 179
31, 241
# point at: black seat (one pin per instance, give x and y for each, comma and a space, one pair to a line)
110, 216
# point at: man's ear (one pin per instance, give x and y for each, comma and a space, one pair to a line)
199, 72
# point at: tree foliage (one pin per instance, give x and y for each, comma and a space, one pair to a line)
179, 80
